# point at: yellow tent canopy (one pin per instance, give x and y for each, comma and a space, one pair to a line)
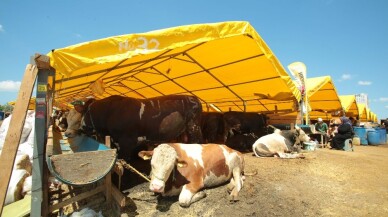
362, 112
322, 96
373, 117
323, 100
225, 64
349, 104
368, 114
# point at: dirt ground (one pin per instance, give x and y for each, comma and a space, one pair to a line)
325, 183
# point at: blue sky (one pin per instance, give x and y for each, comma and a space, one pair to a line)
346, 39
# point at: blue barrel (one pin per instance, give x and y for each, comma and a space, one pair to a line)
373, 137
361, 133
383, 135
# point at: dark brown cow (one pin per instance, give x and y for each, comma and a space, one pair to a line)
244, 123
212, 127
130, 120
185, 169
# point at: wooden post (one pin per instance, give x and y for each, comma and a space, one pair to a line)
39, 144
39, 167
12, 138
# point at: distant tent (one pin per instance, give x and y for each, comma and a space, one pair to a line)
349, 104
362, 112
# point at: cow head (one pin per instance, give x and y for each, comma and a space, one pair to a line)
163, 161
74, 123
300, 137
87, 126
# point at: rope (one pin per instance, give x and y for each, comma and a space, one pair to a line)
129, 167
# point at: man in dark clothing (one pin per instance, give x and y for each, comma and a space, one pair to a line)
345, 131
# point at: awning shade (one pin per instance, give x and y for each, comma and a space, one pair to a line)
362, 112
349, 104
225, 64
322, 95
323, 100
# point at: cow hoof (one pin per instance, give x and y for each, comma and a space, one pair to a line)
233, 199
184, 205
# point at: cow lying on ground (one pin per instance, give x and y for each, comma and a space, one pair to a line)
244, 123
241, 142
186, 169
281, 143
237, 130
129, 120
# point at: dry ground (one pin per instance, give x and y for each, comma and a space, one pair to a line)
326, 183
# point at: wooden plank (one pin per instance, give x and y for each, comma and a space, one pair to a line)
19, 208
119, 197
12, 138
77, 198
108, 189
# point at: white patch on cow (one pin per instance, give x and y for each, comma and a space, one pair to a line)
185, 196
141, 138
194, 151
211, 180
141, 110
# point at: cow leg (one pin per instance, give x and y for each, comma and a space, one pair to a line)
127, 147
237, 181
290, 155
186, 197
231, 185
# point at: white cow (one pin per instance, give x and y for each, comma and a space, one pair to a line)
281, 143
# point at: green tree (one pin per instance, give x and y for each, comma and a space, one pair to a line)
6, 108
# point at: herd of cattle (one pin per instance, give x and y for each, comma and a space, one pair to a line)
176, 123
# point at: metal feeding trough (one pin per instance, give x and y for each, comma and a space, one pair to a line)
89, 162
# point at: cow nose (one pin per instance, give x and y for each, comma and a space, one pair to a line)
156, 187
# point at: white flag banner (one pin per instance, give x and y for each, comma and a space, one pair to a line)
298, 70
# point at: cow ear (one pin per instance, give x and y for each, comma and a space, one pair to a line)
146, 155
181, 164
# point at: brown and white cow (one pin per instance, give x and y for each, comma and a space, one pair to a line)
281, 143
185, 169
